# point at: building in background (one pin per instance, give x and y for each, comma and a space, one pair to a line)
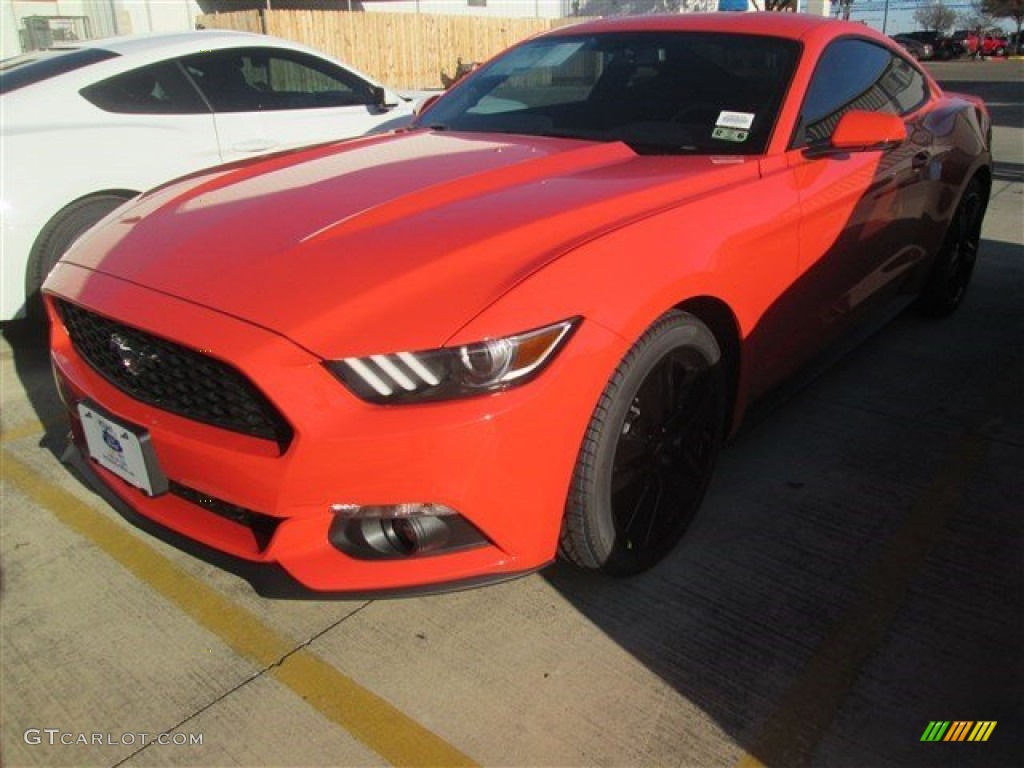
31, 24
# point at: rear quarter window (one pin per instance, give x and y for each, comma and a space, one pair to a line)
157, 89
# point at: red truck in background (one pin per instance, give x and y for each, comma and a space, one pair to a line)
973, 43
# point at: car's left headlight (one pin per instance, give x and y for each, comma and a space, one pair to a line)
453, 372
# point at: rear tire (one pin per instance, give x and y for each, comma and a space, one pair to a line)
649, 451
951, 273
59, 234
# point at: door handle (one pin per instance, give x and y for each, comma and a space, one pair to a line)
920, 160
254, 145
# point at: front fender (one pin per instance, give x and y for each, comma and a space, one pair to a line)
739, 245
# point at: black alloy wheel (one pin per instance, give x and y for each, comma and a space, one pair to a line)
649, 451
954, 265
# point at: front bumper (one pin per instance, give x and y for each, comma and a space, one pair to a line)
268, 579
504, 462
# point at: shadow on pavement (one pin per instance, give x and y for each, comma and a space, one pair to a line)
30, 347
856, 570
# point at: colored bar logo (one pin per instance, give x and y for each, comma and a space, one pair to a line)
958, 730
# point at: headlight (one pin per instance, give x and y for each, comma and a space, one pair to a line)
453, 372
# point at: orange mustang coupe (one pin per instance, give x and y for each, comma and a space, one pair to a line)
523, 326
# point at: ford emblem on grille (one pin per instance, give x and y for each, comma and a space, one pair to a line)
135, 356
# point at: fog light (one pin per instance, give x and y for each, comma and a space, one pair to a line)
395, 531
415, 535
405, 534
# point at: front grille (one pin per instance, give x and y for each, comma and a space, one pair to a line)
172, 377
262, 526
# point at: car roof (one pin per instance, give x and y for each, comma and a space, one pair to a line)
131, 51
172, 42
790, 25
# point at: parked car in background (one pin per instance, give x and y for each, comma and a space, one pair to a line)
942, 47
995, 43
964, 42
86, 127
990, 42
525, 324
919, 50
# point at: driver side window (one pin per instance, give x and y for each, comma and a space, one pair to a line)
857, 74
260, 79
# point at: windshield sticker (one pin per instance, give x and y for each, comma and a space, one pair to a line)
741, 120
729, 134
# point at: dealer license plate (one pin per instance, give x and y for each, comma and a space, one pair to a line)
117, 447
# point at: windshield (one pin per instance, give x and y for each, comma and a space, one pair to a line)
34, 67
659, 92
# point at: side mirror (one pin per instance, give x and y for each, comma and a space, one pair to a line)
426, 104
381, 98
860, 131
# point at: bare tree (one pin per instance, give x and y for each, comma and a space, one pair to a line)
935, 17
1006, 9
975, 17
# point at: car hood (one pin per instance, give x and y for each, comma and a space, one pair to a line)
388, 243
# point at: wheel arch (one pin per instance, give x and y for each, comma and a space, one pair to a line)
721, 320
37, 251
55, 218
984, 177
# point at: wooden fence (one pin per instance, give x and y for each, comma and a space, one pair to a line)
403, 50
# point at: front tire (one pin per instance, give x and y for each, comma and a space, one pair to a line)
951, 273
649, 450
59, 234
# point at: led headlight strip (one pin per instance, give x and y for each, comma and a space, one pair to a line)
452, 372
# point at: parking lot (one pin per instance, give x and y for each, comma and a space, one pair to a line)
856, 572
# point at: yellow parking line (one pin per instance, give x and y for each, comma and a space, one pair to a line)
386, 730
27, 429
808, 708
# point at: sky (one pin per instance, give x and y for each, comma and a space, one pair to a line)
901, 14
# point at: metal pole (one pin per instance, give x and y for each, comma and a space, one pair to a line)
885, 17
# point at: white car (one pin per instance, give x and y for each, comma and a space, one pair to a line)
82, 129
